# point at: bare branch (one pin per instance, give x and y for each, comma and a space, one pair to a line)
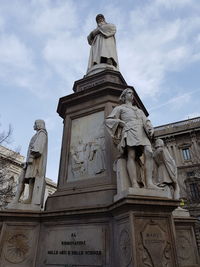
5, 137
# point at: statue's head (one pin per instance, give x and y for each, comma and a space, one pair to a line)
39, 124
126, 94
100, 18
159, 143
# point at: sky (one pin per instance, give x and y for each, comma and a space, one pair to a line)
44, 50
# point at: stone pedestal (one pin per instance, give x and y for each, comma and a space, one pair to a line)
130, 232
86, 176
187, 247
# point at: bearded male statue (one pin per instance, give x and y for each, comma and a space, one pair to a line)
103, 45
34, 170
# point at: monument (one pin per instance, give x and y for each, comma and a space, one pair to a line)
109, 210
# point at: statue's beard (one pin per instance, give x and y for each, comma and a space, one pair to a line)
101, 23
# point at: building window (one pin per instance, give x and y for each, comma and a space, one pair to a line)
195, 193
186, 153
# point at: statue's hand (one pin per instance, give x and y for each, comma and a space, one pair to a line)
150, 133
95, 32
122, 123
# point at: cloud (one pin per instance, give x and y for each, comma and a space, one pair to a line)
154, 45
51, 19
14, 53
172, 4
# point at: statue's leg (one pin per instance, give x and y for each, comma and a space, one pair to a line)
19, 192
131, 167
148, 165
30, 194
176, 191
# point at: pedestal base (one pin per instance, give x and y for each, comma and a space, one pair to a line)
24, 207
131, 192
100, 67
133, 232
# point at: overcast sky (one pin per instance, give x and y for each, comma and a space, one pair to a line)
43, 50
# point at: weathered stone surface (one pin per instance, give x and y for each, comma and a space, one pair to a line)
18, 244
74, 245
155, 244
142, 192
87, 147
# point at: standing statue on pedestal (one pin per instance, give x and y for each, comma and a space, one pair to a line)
34, 170
128, 124
166, 168
103, 53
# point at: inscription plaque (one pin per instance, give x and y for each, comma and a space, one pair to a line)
76, 246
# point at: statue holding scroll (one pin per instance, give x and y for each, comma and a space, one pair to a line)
166, 168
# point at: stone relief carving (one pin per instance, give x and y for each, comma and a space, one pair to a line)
87, 152
185, 248
16, 248
154, 247
125, 248
166, 169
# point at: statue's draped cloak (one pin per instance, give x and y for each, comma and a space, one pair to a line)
137, 125
167, 170
103, 45
36, 166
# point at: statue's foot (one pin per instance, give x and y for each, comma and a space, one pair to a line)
135, 185
26, 201
153, 186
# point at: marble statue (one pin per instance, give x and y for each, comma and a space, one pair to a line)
103, 44
166, 168
34, 169
132, 131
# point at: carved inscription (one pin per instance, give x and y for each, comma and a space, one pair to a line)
154, 246
90, 84
83, 247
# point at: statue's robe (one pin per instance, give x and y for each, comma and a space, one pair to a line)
37, 156
167, 170
103, 45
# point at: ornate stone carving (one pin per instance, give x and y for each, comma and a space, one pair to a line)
125, 248
185, 248
16, 248
87, 148
154, 248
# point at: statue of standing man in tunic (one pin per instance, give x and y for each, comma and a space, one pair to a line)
103, 53
133, 130
34, 170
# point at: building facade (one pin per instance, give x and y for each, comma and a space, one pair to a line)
183, 142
